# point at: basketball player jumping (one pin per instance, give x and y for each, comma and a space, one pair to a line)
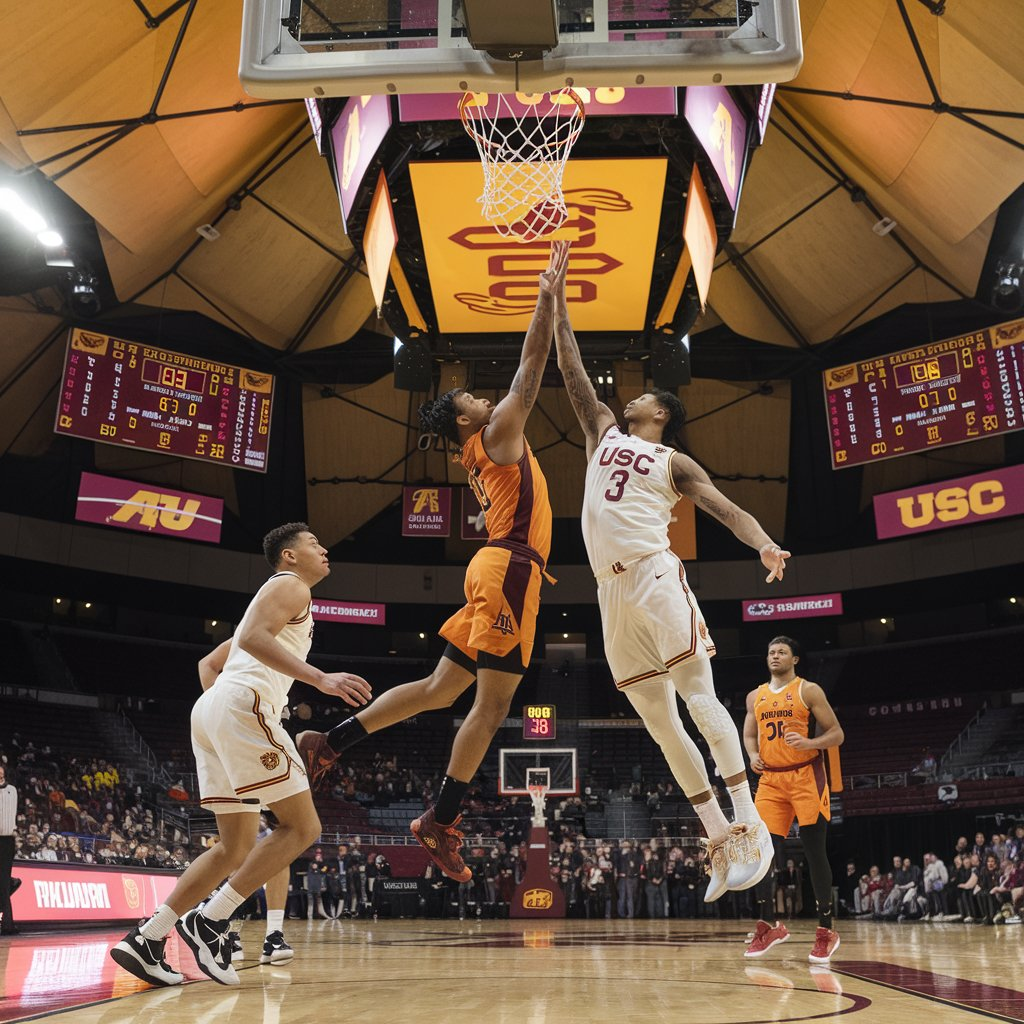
656, 642
245, 759
788, 729
490, 639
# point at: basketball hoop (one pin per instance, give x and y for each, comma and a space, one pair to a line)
538, 782
523, 148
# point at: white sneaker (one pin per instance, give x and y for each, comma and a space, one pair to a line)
717, 867
144, 958
750, 854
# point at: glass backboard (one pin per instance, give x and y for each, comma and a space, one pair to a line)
307, 48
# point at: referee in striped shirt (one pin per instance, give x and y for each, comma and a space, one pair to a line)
8, 813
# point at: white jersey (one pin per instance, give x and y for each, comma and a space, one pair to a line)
244, 669
627, 500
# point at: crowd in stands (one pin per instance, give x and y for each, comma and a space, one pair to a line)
78, 810
983, 883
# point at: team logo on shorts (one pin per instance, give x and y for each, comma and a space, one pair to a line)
270, 760
503, 623
703, 630
430, 841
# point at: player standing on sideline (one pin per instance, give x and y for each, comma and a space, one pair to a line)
245, 759
491, 638
789, 726
655, 639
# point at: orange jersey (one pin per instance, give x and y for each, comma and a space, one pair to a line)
514, 498
776, 713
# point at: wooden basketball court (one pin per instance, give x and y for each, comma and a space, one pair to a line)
600, 972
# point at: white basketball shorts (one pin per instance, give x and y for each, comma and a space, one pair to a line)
651, 620
244, 758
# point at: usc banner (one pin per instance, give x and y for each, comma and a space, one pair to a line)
148, 508
967, 499
483, 283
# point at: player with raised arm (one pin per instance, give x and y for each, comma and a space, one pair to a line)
245, 759
656, 641
789, 728
490, 639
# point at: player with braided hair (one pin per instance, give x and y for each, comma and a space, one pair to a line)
491, 638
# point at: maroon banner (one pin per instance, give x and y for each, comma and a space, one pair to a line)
967, 499
943, 393
426, 511
812, 606
355, 138
444, 106
86, 894
349, 611
471, 525
721, 129
127, 394
148, 508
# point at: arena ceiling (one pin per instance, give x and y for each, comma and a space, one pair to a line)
898, 112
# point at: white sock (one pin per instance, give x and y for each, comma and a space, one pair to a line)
223, 904
275, 921
742, 802
714, 821
160, 924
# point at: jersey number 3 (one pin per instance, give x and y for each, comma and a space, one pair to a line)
620, 478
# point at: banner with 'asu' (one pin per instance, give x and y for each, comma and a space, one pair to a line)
148, 508
87, 894
426, 511
967, 499
811, 606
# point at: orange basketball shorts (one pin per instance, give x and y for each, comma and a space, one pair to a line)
801, 794
502, 601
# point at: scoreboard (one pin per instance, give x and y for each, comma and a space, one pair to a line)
132, 395
927, 397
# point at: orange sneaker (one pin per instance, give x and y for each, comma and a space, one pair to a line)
317, 755
765, 936
442, 843
826, 942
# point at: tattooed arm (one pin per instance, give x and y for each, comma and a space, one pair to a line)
692, 482
503, 437
595, 417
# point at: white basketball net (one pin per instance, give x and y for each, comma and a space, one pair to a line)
523, 152
538, 782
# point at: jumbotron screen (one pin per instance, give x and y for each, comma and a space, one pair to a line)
132, 395
931, 396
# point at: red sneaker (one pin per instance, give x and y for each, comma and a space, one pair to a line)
443, 843
317, 755
826, 942
766, 936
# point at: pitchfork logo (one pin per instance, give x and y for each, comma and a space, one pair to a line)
513, 290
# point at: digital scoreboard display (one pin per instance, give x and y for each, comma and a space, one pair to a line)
539, 722
132, 395
927, 397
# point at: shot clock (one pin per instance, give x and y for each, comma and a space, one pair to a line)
539, 722
136, 396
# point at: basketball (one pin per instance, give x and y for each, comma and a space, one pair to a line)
543, 219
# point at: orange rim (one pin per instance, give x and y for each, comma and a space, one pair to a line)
469, 125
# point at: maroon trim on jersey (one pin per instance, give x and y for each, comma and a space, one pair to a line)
514, 586
520, 530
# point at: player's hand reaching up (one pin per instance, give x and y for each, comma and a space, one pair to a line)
352, 689
773, 558
552, 280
